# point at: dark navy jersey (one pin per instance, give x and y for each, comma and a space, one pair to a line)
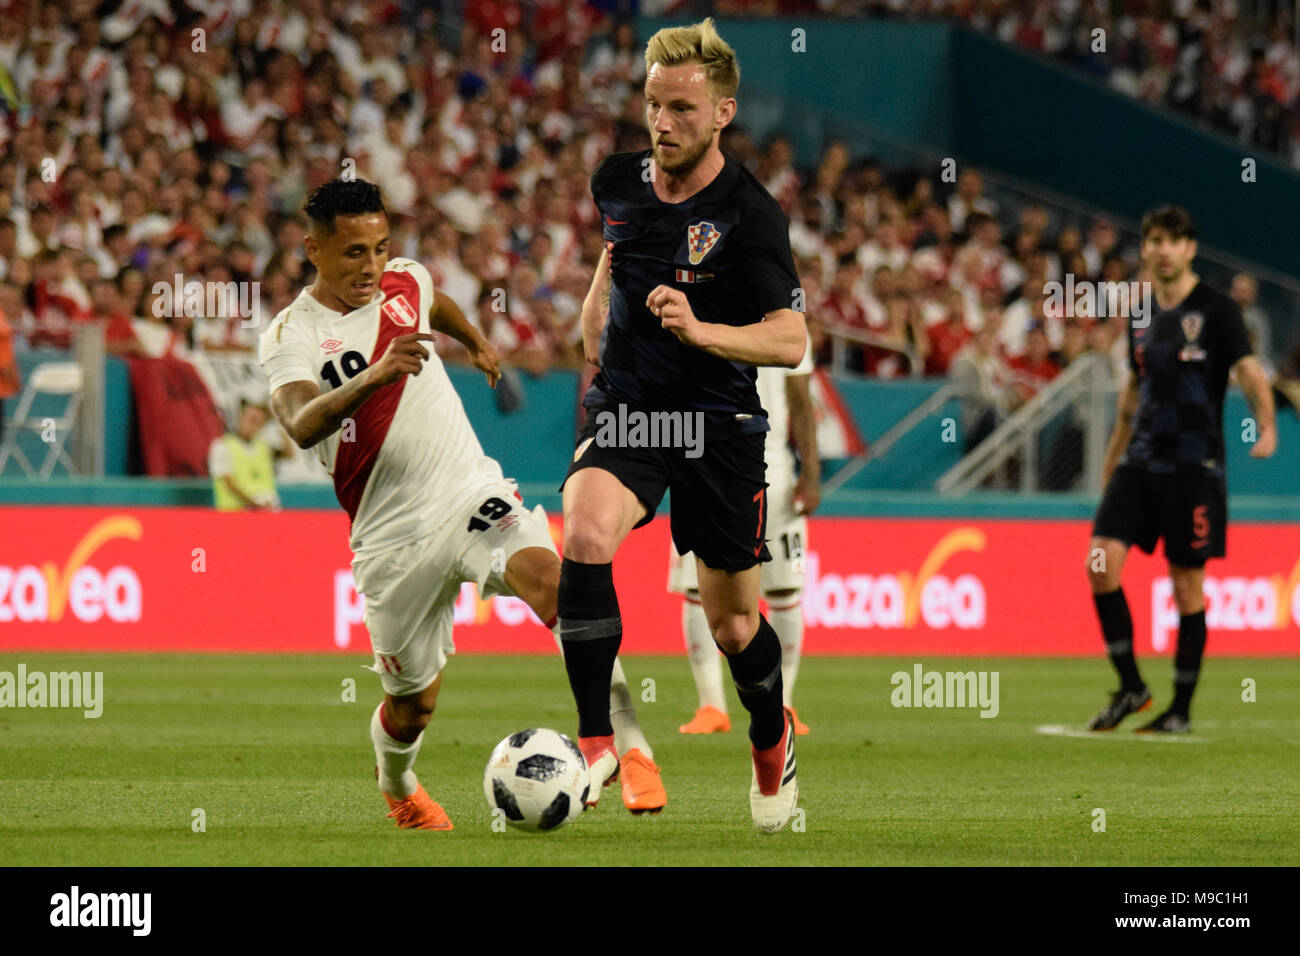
1182, 359
727, 248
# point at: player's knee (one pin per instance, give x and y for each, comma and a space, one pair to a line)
589, 542
1189, 592
1103, 569
534, 575
732, 632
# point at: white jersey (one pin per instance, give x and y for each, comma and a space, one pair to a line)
771, 395
409, 456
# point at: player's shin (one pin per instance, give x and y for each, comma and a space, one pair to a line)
394, 757
1187, 660
706, 666
590, 633
1117, 630
622, 715
787, 621
757, 673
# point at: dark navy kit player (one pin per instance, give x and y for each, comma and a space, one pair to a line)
1164, 474
695, 288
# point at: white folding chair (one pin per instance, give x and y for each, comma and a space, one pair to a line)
57, 379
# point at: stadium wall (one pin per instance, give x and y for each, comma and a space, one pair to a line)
547, 420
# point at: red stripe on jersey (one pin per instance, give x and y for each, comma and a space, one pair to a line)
356, 459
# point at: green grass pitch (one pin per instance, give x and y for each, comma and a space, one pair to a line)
282, 768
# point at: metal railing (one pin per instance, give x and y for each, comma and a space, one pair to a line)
896, 432
1085, 391
842, 337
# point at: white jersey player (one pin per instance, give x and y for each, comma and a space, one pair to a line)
350, 377
784, 394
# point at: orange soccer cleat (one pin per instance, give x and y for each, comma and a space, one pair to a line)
800, 727
707, 720
643, 790
418, 812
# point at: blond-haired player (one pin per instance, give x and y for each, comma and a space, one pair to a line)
696, 287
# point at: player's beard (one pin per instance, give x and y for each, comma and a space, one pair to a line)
681, 161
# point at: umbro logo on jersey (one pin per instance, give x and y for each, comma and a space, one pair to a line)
400, 311
330, 346
701, 237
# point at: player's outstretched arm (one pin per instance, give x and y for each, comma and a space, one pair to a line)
309, 417
780, 339
446, 317
595, 309
1122, 433
1259, 394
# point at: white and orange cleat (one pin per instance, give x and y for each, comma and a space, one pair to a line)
800, 728
643, 788
602, 760
707, 720
418, 812
774, 790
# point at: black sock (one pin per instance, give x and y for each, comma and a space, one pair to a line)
757, 673
1117, 629
1187, 660
591, 631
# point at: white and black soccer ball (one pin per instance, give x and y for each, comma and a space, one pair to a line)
538, 779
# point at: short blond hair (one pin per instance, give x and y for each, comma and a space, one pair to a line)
698, 43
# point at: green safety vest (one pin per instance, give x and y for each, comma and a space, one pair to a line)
251, 471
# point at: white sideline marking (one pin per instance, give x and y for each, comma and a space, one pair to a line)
1060, 730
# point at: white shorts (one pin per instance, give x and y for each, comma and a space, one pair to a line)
411, 590
787, 539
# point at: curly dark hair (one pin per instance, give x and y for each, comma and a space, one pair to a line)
1174, 220
342, 197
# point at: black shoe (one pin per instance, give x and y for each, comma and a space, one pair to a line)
1122, 703
1167, 723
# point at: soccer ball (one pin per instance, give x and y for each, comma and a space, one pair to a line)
538, 779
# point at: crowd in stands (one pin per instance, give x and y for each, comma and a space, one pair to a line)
134, 154
1233, 66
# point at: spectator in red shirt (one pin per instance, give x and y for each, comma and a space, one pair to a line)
948, 337
1036, 367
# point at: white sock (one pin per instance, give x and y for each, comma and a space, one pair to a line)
788, 624
622, 714
706, 664
395, 759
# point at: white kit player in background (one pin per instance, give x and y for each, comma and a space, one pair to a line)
350, 376
785, 396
